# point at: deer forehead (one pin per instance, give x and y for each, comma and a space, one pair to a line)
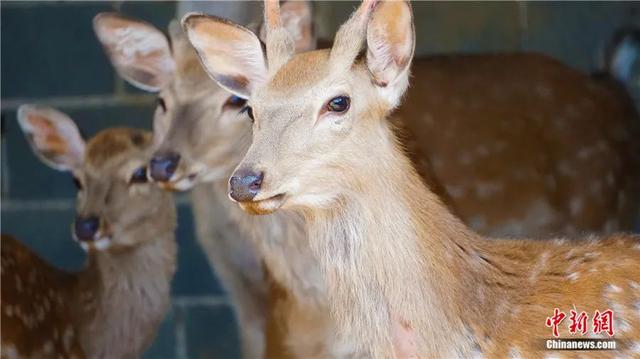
113, 146
302, 70
308, 78
190, 78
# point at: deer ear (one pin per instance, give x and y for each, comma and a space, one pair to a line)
53, 136
231, 54
297, 18
139, 52
390, 46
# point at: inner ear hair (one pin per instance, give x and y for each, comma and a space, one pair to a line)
390, 41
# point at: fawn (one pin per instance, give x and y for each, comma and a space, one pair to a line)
200, 135
405, 277
112, 308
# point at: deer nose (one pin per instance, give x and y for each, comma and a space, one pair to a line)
163, 166
244, 185
86, 227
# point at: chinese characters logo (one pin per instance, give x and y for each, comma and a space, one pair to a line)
602, 322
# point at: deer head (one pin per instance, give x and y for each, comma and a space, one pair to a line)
114, 199
201, 131
313, 113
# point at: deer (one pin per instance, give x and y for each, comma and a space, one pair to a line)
196, 146
114, 305
200, 134
405, 277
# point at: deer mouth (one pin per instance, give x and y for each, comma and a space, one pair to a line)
101, 241
183, 183
264, 206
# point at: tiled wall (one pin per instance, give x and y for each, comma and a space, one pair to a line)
575, 32
50, 55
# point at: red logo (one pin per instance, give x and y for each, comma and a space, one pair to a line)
603, 322
578, 322
555, 320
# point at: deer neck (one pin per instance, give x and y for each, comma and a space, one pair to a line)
393, 255
280, 239
125, 292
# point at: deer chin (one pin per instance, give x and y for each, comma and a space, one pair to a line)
99, 243
264, 206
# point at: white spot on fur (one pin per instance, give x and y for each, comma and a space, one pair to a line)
622, 325
455, 191
18, 283
40, 313
551, 182
612, 288
465, 159
487, 189
499, 146
48, 347
573, 276
482, 151
514, 353
437, 163
476, 353
10, 352
610, 178
539, 267
67, 338
596, 187
575, 206
559, 241
565, 168
585, 153
543, 90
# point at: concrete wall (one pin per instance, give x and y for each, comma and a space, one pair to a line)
50, 55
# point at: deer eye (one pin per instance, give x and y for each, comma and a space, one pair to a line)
139, 175
249, 112
235, 102
77, 183
339, 104
162, 104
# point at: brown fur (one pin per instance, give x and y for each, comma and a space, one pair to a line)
46, 312
475, 120
110, 145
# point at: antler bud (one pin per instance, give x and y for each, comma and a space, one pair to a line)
280, 44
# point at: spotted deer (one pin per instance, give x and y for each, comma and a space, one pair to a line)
405, 277
201, 133
112, 307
